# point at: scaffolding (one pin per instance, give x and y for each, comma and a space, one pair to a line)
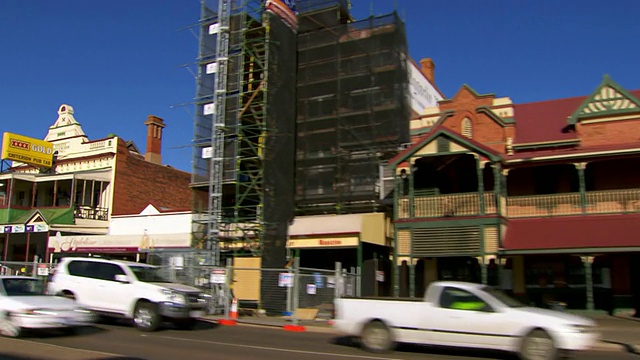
352, 107
242, 161
227, 187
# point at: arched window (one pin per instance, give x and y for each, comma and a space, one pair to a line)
467, 128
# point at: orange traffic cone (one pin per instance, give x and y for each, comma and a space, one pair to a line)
233, 314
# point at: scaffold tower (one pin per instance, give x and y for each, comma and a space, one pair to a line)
221, 29
230, 129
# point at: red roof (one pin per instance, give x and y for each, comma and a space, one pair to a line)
573, 232
544, 121
574, 151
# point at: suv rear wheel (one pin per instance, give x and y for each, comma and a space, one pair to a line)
145, 316
68, 294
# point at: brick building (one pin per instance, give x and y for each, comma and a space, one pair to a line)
542, 199
89, 182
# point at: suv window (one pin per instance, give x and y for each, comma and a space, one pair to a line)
81, 268
108, 271
94, 270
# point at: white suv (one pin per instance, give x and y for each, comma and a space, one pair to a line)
128, 290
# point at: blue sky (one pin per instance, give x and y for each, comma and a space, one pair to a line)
116, 62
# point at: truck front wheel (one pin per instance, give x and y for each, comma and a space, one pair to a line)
376, 337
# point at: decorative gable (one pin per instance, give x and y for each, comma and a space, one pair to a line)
609, 100
37, 218
65, 126
441, 141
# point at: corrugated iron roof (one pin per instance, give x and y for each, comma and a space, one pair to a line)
546, 121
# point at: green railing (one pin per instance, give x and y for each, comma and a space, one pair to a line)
468, 204
544, 205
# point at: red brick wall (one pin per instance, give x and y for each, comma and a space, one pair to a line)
484, 129
138, 183
609, 133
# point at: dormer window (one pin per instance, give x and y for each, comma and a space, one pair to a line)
467, 128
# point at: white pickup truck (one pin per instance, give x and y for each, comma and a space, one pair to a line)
463, 314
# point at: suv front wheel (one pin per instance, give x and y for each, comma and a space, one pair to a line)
145, 316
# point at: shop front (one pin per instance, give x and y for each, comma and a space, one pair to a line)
359, 242
126, 247
25, 241
577, 262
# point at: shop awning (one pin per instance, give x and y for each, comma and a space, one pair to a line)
605, 233
371, 228
118, 243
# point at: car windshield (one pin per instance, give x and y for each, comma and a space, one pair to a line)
503, 298
149, 274
23, 287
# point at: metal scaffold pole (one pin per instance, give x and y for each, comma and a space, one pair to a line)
218, 132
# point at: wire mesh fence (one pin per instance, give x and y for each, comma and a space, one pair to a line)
35, 269
298, 293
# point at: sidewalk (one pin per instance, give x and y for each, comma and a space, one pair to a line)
621, 330
617, 333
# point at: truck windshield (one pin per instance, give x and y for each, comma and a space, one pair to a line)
149, 274
502, 297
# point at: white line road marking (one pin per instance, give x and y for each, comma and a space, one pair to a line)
332, 355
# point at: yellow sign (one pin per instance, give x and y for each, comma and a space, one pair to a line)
27, 150
322, 242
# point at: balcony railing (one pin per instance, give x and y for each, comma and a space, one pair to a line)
613, 201
468, 204
91, 213
544, 205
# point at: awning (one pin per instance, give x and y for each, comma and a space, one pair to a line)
605, 233
371, 228
124, 243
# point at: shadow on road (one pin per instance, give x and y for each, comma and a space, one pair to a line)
432, 350
52, 333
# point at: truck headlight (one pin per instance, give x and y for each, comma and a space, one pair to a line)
582, 329
174, 297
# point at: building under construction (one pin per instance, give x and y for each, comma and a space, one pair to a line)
294, 116
352, 107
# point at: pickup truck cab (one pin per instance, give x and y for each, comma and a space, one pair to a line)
129, 290
460, 314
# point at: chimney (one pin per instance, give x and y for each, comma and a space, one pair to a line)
428, 67
154, 139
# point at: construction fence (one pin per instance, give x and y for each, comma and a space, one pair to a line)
302, 293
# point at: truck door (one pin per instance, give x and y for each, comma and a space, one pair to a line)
466, 319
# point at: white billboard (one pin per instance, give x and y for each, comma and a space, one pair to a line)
421, 92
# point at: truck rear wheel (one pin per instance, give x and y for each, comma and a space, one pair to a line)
376, 337
538, 345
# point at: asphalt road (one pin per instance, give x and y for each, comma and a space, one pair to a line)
210, 341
